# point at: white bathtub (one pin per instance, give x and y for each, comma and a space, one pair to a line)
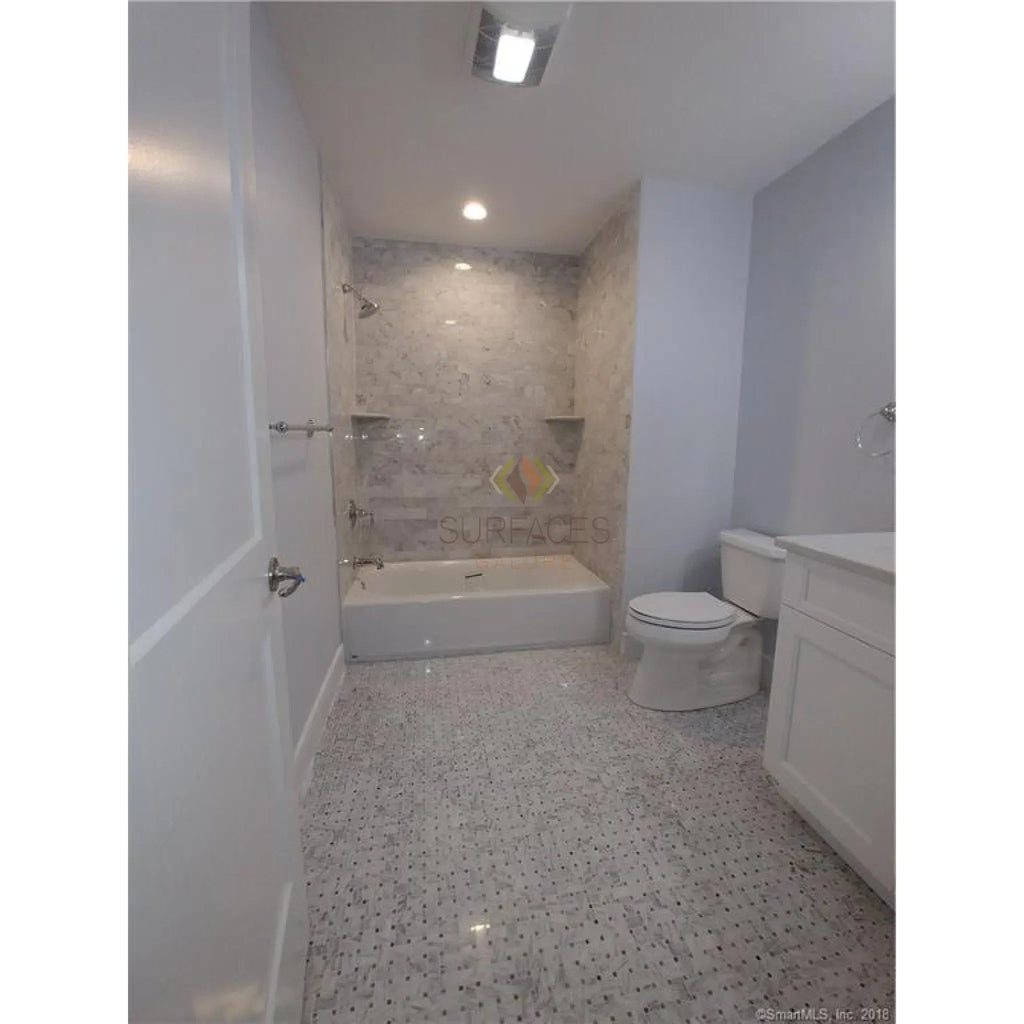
424, 609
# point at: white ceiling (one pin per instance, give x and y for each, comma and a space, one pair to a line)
719, 93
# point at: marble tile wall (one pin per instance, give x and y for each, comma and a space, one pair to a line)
340, 324
466, 363
603, 368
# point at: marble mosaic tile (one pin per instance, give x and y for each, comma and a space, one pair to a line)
505, 837
466, 364
339, 324
603, 365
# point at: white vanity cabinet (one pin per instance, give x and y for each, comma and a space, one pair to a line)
830, 735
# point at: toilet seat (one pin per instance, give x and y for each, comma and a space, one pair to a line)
681, 610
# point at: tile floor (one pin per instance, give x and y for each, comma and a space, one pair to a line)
504, 837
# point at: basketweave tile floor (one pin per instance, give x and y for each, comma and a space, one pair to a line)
505, 837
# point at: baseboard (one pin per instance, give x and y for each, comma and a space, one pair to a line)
313, 730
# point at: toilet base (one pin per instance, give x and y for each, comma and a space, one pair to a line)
674, 678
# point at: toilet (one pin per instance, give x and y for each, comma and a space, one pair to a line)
700, 651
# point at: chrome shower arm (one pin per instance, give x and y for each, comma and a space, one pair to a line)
367, 307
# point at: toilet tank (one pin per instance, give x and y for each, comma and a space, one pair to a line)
752, 572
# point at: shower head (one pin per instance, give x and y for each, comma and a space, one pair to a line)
366, 307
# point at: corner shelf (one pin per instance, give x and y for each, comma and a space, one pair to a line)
563, 419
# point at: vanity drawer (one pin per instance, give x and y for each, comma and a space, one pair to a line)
860, 606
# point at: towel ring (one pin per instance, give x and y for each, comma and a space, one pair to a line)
888, 413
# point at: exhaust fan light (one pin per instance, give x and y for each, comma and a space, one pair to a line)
513, 56
474, 210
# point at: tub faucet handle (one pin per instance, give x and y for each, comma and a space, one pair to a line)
355, 513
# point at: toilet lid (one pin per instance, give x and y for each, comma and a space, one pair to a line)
696, 610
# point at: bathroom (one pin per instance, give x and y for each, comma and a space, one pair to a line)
576, 636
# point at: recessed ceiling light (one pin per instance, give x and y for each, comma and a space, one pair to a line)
450, 323
513, 56
463, 266
474, 211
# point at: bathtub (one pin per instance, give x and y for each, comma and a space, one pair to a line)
425, 609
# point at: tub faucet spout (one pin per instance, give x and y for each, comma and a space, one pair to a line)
374, 560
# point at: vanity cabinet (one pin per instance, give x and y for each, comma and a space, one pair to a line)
829, 742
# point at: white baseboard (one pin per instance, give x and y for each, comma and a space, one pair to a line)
313, 730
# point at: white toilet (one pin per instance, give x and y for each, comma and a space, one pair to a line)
699, 651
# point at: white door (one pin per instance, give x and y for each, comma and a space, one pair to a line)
217, 912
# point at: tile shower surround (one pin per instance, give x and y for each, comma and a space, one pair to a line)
504, 838
340, 325
606, 317
463, 396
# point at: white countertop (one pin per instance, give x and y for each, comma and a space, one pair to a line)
872, 554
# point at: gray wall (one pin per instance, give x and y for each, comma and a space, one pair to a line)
605, 323
289, 252
818, 351
694, 247
464, 396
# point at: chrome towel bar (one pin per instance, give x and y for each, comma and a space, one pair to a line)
309, 428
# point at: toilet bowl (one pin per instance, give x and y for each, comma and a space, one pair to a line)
701, 651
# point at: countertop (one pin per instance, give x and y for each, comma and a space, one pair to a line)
871, 554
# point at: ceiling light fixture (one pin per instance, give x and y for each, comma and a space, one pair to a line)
514, 41
463, 266
513, 56
474, 210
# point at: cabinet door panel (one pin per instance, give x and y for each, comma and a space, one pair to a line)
829, 741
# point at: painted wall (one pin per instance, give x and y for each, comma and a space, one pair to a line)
466, 364
289, 253
818, 353
692, 261
603, 359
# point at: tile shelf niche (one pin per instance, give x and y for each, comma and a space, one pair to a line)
563, 419
370, 416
